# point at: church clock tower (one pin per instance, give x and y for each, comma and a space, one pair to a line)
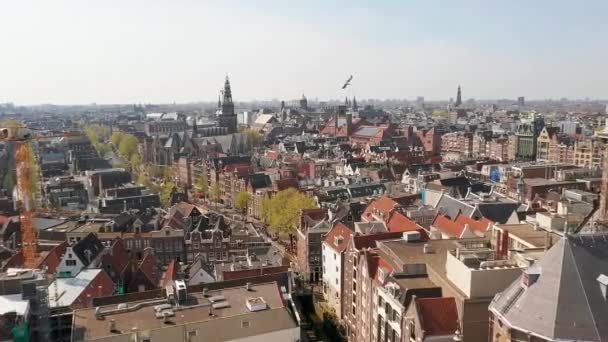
227, 118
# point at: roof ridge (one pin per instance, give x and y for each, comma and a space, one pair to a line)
568, 243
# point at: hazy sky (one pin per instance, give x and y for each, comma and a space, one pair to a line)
129, 51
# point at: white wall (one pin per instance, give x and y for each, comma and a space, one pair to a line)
479, 283
332, 276
73, 269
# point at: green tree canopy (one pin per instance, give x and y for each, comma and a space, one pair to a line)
282, 211
242, 199
254, 137
135, 161
202, 184
116, 138
128, 146
10, 123
166, 191
216, 192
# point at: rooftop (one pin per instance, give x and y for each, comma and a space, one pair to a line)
527, 234
218, 311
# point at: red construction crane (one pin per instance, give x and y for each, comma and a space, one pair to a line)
24, 159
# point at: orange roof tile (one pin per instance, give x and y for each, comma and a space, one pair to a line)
380, 207
338, 236
369, 241
456, 227
438, 316
401, 223
482, 225
170, 275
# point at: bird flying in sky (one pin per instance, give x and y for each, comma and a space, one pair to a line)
347, 83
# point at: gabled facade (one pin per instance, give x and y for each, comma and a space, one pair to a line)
334, 248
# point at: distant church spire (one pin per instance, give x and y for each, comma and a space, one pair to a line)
227, 92
219, 101
458, 97
228, 117
355, 107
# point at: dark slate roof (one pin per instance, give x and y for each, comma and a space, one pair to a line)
566, 302
498, 212
223, 161
89, 243
258, 180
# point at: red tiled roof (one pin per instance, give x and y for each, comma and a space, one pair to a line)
383, 205
438, 316
482, 225
53, 258
170, 275
283, 184
316, 214
447, 226
369, 241
271, 155
4, 220
186, 208
232, 167
400, 223
148, 267
15, 261
455, 228
372, 264
120, 257
256, 272
338, 231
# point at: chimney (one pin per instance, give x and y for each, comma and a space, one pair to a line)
497, 243
505, 244
166, 318
248, 286
112, 325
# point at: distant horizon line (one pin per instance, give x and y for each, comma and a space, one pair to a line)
309, 99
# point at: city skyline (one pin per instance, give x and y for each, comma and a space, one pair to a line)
110, 52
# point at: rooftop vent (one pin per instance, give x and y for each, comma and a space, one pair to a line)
256, 304
221, 305
180, 288
530, 276
216, 299
411, 236
113, 326
603, 281
427, 249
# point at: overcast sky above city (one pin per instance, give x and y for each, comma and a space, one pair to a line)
145, 51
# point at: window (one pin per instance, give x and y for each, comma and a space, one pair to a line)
146, 339
336, 281
70, 262
335, 256
245, 324
192, 333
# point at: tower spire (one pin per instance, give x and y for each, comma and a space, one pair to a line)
458, 97
228, 117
